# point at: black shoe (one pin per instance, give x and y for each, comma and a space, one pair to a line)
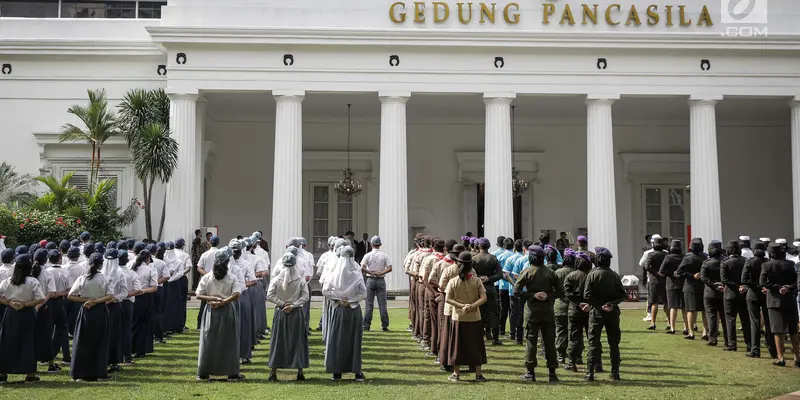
238, 377
579, 361
797, 363
694, 328
272, 378
32, 379
446, 368
651, 327
779, 363
385, 329
3, 379
301, 377
529, 376
685, 332
599, 369
497, 342
670, 332
704, 337
202, 378
753, 355
552, 378
480, 379
712, 344
689, 337
53, 368
360, 377
669, 328
589, 377
729, 348
615, 376
336, 377
246, 361
519, 342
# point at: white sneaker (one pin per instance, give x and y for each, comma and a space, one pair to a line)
647, 318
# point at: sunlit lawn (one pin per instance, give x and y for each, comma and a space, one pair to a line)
655, 365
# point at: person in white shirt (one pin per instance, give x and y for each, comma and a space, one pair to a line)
6, 270
345, 288
261, 269
183, 264
219, 344
141, 326
376, 264
204, 266
244, 274
645, 277
43, 335
288, 346
160, 322
134, 290
256, 294
309, 272
744, 244
91, 341
58, 310
323, 260
21, 294
119, 287
75, 269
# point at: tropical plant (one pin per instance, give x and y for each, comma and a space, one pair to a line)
26, 226
61, 196
14, 186
144, 119
100, 124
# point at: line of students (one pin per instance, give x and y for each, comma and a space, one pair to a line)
451, 286
757, 286
113, 302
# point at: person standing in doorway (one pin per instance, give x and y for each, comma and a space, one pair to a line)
376, 265
199, 246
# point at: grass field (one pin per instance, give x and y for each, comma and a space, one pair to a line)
655, 365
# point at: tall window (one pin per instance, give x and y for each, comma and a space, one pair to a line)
482, 214
81, 182
332, 215
666, 211
81, 8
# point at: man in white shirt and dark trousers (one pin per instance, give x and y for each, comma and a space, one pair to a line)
376, 264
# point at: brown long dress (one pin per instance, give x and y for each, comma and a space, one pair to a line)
466, 346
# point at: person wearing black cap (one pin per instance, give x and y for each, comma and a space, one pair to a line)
693, 287
75, 269
713, 292
779, 277
6, 271
60, 336
488, 270
160, 322
21, 294
204, 265
426, 295
184, 262
465, 292
43, 335
438, 301
538, 286
674, 286
448, 272
756, 300
578, 314
604, 292
63, 247
656, 283
90, 343
734, 297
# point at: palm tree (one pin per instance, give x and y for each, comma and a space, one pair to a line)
14, 186
100, 125
144, 118
61, 196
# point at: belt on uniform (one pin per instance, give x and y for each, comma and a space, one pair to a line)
374, 277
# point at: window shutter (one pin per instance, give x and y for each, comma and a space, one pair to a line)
81, 182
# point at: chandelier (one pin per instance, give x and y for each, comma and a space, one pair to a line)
349, 186
518, 186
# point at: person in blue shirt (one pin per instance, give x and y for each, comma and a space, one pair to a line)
544, 239
506, 309
503, 285
517, 304
500, 249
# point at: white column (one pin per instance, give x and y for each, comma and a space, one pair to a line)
601, 202
199, 176
287, 190
499, 199
393, 193
183, 192
706, 216
795, 105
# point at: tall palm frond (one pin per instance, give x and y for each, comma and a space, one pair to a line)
14, 186
140, 107
100, 124
155, 153
61, 194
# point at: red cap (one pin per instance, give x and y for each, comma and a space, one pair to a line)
43, 243
2, 236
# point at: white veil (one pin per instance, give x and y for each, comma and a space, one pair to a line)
344, 278
111, 269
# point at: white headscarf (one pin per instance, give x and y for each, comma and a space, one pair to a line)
289, 273
111, 269
343, 280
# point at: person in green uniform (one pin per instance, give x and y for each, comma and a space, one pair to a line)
538, 287
604, 292
578, 314
562, 304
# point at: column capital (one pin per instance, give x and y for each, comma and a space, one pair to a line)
709, 99
284, 93
499, 97
611, 97
394, 95
795, 102
183, 96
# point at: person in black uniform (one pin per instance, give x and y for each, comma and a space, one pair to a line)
712, 294
734, 297
488, 270
779, 277
756, 299
574, 285
604, 292
657, 284
538, 287
689, 271
674, 286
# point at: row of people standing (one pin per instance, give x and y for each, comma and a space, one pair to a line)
452, 305
757, 285
114, 302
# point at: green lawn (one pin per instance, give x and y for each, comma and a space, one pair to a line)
654, 365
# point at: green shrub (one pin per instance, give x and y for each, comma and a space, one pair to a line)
24, 226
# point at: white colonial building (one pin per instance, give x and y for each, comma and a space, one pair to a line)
634, 117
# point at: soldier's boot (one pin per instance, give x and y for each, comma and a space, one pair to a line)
589, 374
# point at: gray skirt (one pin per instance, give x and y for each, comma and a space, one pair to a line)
288, 343
261, 308
219, 341
245, 325
343, 345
